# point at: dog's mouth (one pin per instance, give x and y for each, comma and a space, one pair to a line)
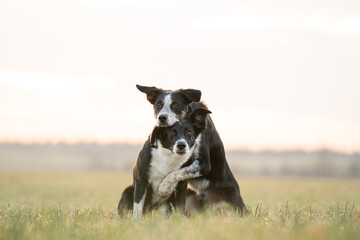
159, 124
181, 152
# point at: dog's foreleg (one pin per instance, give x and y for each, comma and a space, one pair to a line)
168, 184
139, 197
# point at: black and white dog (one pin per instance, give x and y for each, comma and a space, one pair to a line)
170, 106
166, 150
209, 175
160, 156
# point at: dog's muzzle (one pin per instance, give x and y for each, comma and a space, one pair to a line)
181, 147
163, 120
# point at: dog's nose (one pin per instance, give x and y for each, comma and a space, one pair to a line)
162, 118
181, 146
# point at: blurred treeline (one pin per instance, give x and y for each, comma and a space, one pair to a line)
121, 157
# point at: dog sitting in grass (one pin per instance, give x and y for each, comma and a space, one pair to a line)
167, 149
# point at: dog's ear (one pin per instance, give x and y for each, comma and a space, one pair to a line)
198, 118
151, 92
191, 95
154, 135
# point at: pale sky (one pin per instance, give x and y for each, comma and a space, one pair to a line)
276, 74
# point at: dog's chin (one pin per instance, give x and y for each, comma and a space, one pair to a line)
159, 124
181, 152
163, 125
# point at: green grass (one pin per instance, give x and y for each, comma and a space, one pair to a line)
83, 206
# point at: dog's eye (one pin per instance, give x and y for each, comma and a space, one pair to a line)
188, 133
172, 133
175, 105
158, 105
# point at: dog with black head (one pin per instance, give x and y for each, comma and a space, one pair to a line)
166, 150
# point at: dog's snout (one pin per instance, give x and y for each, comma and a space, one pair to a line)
163, 118
181, 145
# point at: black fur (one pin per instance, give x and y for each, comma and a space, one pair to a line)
215, 169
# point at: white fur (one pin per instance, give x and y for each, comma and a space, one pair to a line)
138, 207
168, 184
163, 162
197, 143
166, 110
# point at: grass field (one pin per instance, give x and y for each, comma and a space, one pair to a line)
83, 206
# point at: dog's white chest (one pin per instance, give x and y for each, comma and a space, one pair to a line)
162, 163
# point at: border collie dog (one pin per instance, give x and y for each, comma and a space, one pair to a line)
210, 178
166, 150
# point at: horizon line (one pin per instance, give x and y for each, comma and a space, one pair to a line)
138, 143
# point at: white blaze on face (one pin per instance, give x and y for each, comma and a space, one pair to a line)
166, 111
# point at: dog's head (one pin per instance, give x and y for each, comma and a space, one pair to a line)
169, 106
181, 136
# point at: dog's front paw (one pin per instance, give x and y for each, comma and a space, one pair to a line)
165, 189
